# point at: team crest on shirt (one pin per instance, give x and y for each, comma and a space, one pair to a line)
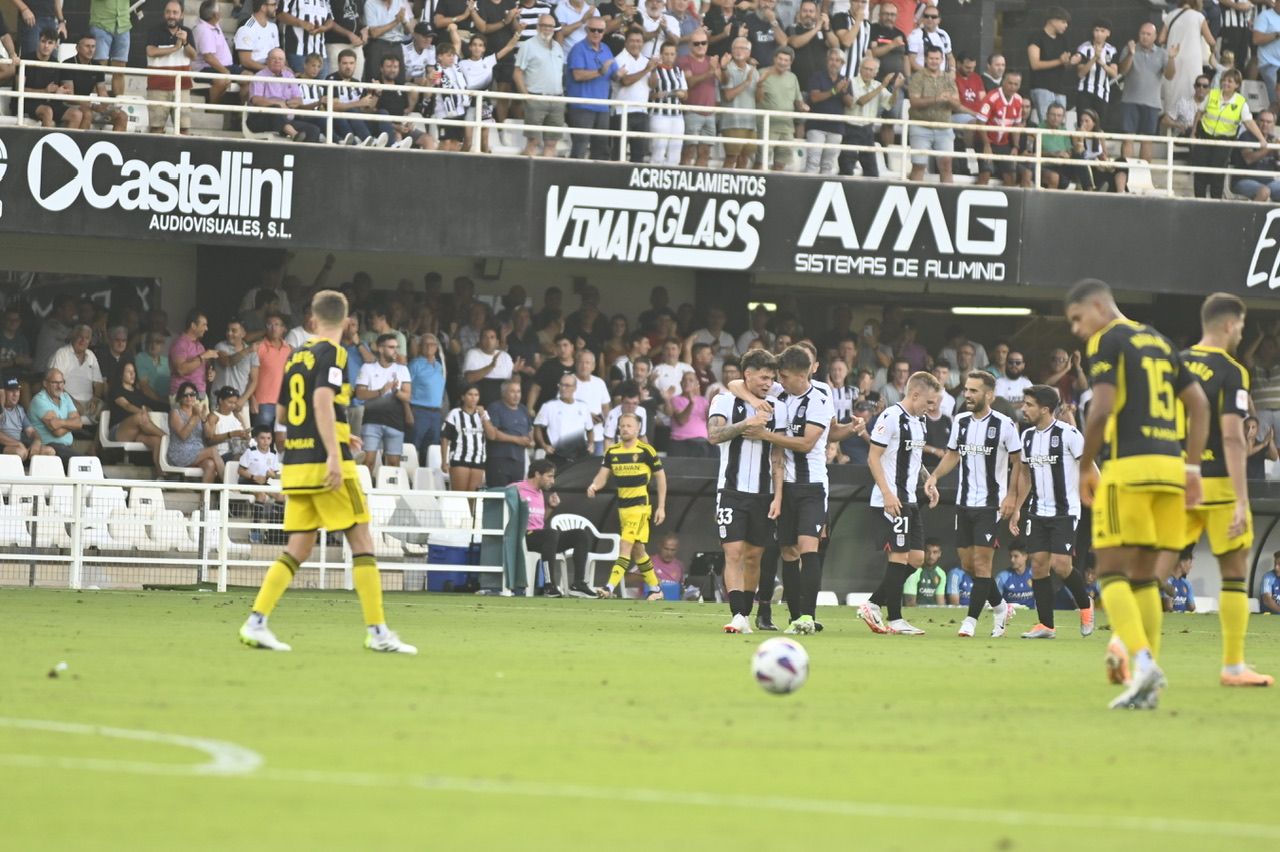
902, 541
1054, 441
991, 432
335, 376
723, 532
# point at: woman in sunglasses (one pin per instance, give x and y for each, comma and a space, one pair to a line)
187, 446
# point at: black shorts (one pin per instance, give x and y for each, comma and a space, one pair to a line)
977, 527
453, 132
902, 534
804, 512
504, 72
1051, 535
999, 167
59, 110
745, 517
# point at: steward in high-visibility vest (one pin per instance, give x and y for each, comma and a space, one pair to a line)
1222, 115
1224, 111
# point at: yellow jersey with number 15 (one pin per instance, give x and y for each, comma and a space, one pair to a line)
318, 364
1142, 447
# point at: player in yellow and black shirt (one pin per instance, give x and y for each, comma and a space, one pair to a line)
633, 464
319, 477
1224, 511
1133, 432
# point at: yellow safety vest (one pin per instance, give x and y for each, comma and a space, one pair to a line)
1222, 119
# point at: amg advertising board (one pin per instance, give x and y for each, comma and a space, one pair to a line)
771, 223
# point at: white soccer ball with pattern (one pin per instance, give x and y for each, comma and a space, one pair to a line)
780, 665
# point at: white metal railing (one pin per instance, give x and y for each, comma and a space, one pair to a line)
1034, 160
94, 528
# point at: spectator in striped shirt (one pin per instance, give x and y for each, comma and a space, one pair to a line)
305, 24
464, 442
353, 101
669, 87
1097, 69
449, 106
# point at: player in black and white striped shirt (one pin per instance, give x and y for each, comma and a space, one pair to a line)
982, 442
802, 419
749, 489
1097, 69
1050, 477
897, 446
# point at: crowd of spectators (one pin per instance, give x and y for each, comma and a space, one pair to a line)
1180, 73
492, 380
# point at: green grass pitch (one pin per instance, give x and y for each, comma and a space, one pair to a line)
618, 725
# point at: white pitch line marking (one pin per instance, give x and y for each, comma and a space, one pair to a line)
228, 759
224, 758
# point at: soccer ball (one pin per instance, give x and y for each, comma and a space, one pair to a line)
780, 665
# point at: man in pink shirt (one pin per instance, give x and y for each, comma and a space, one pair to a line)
188, 359
666, 563
701, 74
547, 542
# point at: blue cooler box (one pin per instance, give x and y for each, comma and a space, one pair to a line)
444, 581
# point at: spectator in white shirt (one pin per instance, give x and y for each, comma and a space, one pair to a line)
667, 372
659, 27
593, 393
385, 387
487, 367
258, 36
79, 367
1011, 385
563, 426
629, 403
300, 333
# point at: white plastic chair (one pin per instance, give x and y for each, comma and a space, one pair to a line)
392, 479
429, 479
409, 462
167, 469
366, 478
577, 522
381, 508
10, 468
433, 456
145, 501
104, 437
47, 467
14, 517
231, 476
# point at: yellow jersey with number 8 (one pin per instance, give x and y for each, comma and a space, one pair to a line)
318, 364
1142, 447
